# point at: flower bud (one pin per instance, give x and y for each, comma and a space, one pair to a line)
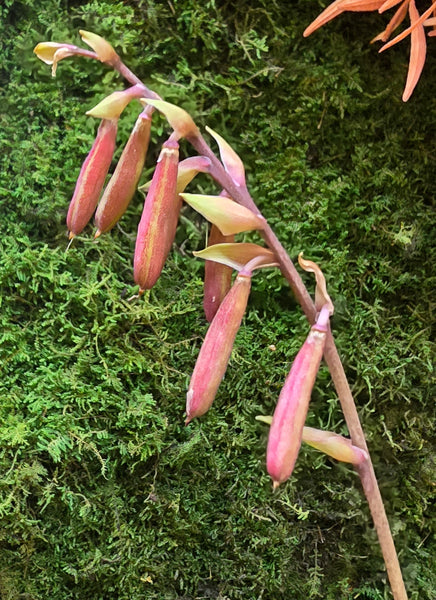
215, 351
123, 183
229, 216
177, 117
286, 430
113, 105
91, 178
52, 52
102, 48
158, 224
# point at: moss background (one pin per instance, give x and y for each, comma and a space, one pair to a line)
104, 494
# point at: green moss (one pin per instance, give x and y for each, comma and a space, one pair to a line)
103, 492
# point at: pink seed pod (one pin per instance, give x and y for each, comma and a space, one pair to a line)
286, 430
158, 223
124, 181
217, 277
215, 351
91, 178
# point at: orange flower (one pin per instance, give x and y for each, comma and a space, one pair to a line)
416, 29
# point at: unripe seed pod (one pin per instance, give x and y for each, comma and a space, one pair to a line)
215, 351
157, 228
286, 430
123, 183
217, 277
91, 178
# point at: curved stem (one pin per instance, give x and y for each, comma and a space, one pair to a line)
334, 363
331, 356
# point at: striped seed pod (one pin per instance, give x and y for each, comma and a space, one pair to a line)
286, 430
217, 277
158, 223
123, 183
91, 178
215, 351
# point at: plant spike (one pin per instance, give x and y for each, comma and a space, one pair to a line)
365, 470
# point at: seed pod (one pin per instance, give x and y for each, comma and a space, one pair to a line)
286, 430
91, 178
333, 444
158, 224
215, 351
217, 277
123, 183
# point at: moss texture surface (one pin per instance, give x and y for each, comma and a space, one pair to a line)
104, 494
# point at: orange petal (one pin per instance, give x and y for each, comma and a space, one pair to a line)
338, 7
393, 23
417, 52
406, 32
389, 4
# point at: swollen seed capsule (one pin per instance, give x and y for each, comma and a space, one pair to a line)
91, 178
123, 183
215, 351
286, 430
157, 228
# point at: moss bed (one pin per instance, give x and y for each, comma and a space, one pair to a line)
104, 494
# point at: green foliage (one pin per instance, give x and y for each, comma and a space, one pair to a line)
103, 492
